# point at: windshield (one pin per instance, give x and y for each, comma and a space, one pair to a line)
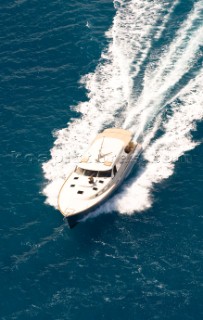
92, 173
104, 174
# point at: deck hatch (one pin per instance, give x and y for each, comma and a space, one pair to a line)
72, 185
80, 192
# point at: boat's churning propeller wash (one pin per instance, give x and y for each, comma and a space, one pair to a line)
141, 85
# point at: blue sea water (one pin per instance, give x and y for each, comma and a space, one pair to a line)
142, 257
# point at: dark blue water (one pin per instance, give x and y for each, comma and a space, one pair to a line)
147, 265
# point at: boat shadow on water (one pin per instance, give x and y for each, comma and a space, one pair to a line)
93, 228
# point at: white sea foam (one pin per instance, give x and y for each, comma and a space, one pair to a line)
174, 63
111, 97
166, 19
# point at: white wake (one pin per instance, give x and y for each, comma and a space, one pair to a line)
113, 100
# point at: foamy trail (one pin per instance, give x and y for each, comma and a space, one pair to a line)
175, 62
166, 19
134, 28
110, 87
184, 34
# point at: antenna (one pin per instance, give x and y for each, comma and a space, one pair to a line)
99, 154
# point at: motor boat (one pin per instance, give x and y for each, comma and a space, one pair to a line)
102, 168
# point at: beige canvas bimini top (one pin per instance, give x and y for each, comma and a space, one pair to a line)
105, 149
116, 133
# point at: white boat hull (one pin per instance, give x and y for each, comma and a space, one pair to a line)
82, 193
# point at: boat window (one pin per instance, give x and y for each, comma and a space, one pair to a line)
104, 174
114, 170
90, 173
80, 192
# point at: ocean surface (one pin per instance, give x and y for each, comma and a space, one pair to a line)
69, 69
